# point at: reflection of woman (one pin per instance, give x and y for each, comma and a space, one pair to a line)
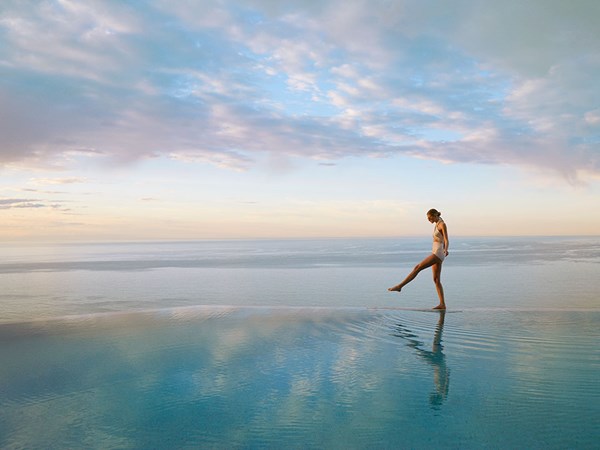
435, 260
441, 373
436, 357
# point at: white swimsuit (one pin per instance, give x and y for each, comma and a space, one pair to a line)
438, 241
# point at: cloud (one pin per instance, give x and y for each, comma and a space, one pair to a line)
223, 82
24, 203
13, 201
19, 203
58, 181
41, 191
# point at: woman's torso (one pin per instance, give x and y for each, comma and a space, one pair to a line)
437, 234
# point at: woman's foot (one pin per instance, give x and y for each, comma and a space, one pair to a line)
395, 289
440, 306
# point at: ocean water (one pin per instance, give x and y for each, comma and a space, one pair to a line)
54, 281
298, 344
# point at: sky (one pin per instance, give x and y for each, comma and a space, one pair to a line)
139, 120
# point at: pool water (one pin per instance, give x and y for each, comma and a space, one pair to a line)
290, 377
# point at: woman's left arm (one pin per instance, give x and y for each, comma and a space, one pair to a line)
444, 232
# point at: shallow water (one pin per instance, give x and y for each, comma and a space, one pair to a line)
223, 377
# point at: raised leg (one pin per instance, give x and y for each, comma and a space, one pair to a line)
427, 262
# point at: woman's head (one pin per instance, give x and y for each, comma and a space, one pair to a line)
433, 215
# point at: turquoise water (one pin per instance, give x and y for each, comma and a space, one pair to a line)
297, 344
302, 378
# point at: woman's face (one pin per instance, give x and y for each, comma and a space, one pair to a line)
431, 218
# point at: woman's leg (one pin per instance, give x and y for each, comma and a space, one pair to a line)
437, 273
427, 262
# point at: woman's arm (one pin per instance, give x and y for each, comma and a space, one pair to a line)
444, 231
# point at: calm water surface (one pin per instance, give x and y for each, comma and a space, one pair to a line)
302, 378
54, 281
105, 346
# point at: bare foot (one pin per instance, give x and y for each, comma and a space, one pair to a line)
440, 307
395, 289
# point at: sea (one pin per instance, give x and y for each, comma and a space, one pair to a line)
298, 344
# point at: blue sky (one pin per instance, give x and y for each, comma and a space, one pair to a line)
262, 118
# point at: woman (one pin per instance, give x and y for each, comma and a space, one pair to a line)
435, 260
